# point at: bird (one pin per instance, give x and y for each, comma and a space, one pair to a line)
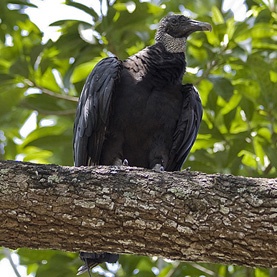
137, 112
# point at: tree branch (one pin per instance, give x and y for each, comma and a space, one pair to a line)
56, 95
32, 84
186, 216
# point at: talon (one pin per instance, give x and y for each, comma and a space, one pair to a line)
158, 168
93, 259
125, 162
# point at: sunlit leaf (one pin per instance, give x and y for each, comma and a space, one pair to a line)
47, 104
217, 16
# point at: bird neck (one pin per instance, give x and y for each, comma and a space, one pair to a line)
171, 66
172, 44
156, 63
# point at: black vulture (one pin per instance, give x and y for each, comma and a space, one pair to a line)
137, 111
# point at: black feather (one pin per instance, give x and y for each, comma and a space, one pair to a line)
93, 110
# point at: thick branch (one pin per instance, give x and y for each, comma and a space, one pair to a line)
186, 216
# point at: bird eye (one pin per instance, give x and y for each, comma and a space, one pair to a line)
174, 21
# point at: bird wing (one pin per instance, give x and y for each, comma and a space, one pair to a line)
187, 128
93, 111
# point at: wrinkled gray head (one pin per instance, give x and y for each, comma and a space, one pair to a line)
173, 31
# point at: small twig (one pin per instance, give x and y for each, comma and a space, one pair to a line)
252, 143
7, 253
173, 270
197, 266
60, 96
203, 269
101, 7
211, 66
51, 93
273, 138
267, 169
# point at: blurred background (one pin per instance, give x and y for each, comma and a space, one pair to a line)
48, 48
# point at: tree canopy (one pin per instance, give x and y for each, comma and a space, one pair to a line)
234, 68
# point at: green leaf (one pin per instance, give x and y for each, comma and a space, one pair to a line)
238, 143
222, 86
231, 27
238, 125
271, 154
273, 76
35, 52
261, 272
43, 132
10, 97
22, 2
265, 134
228, 118
248, 88
48, 81
232, 104
261, 69
20, 67
82, 71
248, 107
120, 6
217, 16
36, 155
50, 141
82, 7
248, 158
28, 256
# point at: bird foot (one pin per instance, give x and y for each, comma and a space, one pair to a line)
158, 168
84, 268
118, 162
93, 259
125, 162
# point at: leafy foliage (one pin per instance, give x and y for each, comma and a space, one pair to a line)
236, 67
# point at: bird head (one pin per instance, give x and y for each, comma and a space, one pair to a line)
173, 31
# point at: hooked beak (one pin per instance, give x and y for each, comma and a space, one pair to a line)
201, 26
195, 25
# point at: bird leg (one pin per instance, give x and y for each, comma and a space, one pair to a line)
88, 267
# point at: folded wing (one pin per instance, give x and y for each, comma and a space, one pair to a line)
187, 128
93, 111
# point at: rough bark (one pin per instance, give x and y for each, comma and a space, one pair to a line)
186, 216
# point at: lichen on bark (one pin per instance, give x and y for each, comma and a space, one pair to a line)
186, 216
